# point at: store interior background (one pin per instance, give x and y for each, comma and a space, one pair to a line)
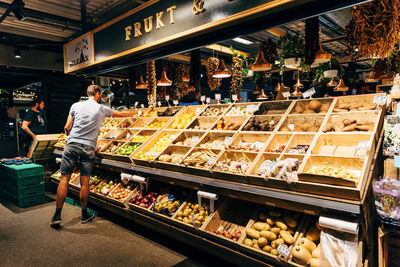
40, 36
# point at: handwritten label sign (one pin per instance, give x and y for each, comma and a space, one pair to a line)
309, 93
283, 251
234, 97
195, 139
208, 100
142, 105
136, 103
228, 140
291, 127
203, 98
198, 110
218, 96
176, 102
380, 99
140, 112
159, 103
167, 97
286, 94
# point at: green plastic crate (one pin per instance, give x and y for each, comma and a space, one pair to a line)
23, 183
24, 170
25, 202
25, 192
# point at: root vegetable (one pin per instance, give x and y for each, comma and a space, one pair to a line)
301, 255
260, 226
281, 225
287, 237
308, 244
253, 233
316, 253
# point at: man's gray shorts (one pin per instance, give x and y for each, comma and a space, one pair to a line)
73, 152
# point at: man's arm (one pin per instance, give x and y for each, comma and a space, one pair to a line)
127, 113
25, 127
68, 124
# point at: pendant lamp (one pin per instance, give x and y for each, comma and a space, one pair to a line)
261, 64
164, 81
372, 78
332, 83
222, 71
257, 91
262, 95
297, 86
321, 56
141, 84
278, 87
341, 86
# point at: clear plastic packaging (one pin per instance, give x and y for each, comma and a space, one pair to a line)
387, 198
338, 249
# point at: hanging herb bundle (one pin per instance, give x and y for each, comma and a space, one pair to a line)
183, 87
374, 28
212, 66
311, 37
393, 63
237, 74
270, 51
152, 83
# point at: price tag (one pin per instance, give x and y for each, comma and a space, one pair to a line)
159, 103
195, 139
136, 103
364, 145
198, 110
167, 97
283, 251
378, 204
286, 94
172, 137
203, 98
211, 161
309, 93
142, 105
218, 96
154, 154
104, 190
140, 112
291, 127
192, 218
147, 154
397, 161
234, 97
208, 100
380, 99
258, 145
228, 140
176, 102
396, 129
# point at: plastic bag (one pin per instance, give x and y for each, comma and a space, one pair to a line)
387, 198
338, 249
166, 204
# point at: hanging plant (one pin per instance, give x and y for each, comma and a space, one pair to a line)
212, 66
311, 37
319, 71
237, 74
292, 47
152, 83
374, 28
260, 79
270, 51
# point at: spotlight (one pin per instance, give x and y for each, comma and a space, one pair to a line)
19, 14
17, 53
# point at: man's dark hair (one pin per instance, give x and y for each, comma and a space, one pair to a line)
37, 100
93, 89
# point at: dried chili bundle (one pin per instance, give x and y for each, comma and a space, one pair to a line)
237, 74
374, 28
183, 71
152, 83
212, 66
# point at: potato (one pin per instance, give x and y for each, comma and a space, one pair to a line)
285, 129
305, 127
316, 253
349, 128
325, 107
248, 242
301, 255
260, 226
298, 109
314, 105
327, 128
277, 242
344, 106
253, 233
287, 237
281, 225
268, 235
255, 245
276, 230
274, 252
290, 221
262, 241
307, 243
270, 221
314, 262
267, 248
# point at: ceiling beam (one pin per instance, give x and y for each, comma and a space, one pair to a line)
276, 32
225, 50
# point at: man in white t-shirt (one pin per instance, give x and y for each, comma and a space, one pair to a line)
82, 127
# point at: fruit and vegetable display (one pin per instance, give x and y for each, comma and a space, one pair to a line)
105, 186
340, 172
202, 124
214, 111
153, 152
309, 125
278, 149
128, 149
61, 143
168, 112
307, 250
239, 164
309, 107
150, 113
391, 137
166, 204
193, 214
113, 147
156, 125
216, 142
111, 123
124, 124
348, 125
260, 124
125, 137
102, 133
271, 229
182, 121
94, 181
354, 106
343, 151
387, 198
140, 138
200, 158
144, 199
121, 192
241, 110
225, 125
247, 146
172, 158
282, 169
188, 141
299, 149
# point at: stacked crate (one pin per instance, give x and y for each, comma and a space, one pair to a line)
22, 184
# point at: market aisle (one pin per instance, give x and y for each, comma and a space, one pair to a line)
27, 240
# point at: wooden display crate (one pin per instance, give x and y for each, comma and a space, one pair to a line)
245, 109
110, 154
126, 123
249, 141
300, 105
174, 110
170, 150
157, 120
125, 158
273, 108
239, 122
296, 123
299, 140
101, 144
192, 200
202, 123
199, 170
195, 110
121, 202
75, 180
114, 134
367, 99
126, 135
141, 123
277, 141
215, 139
189, 138
273, 120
